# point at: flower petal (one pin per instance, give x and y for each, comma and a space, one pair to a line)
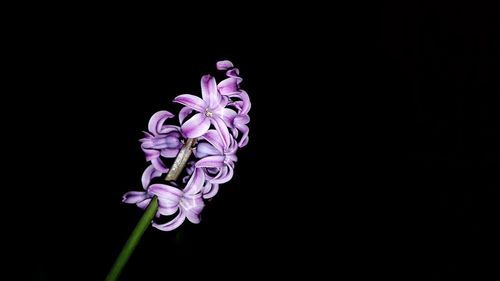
193, 217
149, 153
169, 152
211, 190
224, 64
234, 73
227, 116
214, 138
173, 224
210, 162
159, 165
229, 86
191, 101
157, 120
149, 174
185, 111
209, 91
133, 197
196, 126
165, 192
167, 210
195, 183
225, 175
204, 149
221, 127
144, 204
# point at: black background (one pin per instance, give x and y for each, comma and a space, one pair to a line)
397, 101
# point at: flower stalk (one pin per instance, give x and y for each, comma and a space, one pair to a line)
145, 221
133, 240
181, 160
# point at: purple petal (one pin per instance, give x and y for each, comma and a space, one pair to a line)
224, 64
185, 111
244, 138
211, 162
133, 197
167, 211
228, 86
196, 126
148, 174
169, 152
227, 116
191, 101
173, 224
234, 73
225, 175
150, 153
157, 120
221, 127
193, 217
205, 149
209, 91
246, 104
159, 165
195, 183
165, 129
211, 190
214, 138
166, 192
144, 204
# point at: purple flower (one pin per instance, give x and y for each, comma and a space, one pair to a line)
162, 140
217, 158
188, 202
211, 110
218, 121
238, 99
142, 198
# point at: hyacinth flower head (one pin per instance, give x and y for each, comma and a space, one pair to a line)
212, 127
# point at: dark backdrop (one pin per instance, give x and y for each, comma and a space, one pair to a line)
373, 143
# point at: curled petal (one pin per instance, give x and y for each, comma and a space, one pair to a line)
196, 126
165, 192
204, 149
150, 153
191, 101
157, 120
245, 104
224, 64
211, 162
169, 152
221, 128
159, 165
224, 175
144, 204
173, 224
193, 217
227, 116
185, 111
149, 174
234, 73
229, 86
214, 138
134, 197
195, 183
167, 210
210, 190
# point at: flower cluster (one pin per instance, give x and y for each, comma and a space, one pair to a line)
218, 122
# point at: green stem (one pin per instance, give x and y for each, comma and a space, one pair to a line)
132, 241
176, 169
